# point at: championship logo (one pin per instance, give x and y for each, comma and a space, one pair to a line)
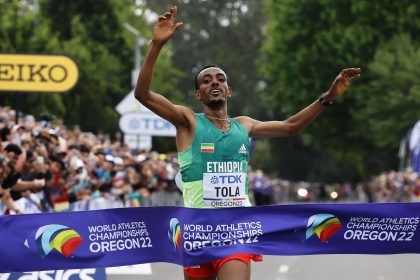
323, 225
174, 233
65, 240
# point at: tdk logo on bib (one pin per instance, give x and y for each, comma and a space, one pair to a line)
224, 189
226, 179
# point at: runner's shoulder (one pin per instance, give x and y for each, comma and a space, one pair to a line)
246, 121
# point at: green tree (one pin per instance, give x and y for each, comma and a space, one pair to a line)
393, 102
92, 34
308, 43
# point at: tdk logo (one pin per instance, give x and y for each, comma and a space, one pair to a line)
230, 179
214, 180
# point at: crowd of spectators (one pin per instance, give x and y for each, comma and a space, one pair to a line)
392, 186
46, 167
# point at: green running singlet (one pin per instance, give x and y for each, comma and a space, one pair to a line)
214, 168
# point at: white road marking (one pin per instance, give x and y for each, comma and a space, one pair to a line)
138, 269
284, 268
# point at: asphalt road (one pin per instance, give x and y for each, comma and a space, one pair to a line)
325, 267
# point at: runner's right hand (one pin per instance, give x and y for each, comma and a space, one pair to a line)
166, 27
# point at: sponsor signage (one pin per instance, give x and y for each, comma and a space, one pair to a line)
80, 274
70, 274
37, 73
188, 237
142, 142
130, 105
146, 124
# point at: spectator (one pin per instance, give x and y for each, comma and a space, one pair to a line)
261, 188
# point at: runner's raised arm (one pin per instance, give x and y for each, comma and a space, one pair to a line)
295, 124
164, 29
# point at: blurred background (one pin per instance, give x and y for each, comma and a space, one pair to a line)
69, 151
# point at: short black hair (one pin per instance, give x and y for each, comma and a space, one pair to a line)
13, 148
196, 85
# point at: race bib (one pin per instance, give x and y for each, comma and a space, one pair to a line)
224, 189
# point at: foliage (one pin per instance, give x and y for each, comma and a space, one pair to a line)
308, 42
393, 96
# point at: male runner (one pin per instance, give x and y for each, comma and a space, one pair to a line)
211, 143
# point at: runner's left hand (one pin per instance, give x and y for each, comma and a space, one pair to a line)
342, 82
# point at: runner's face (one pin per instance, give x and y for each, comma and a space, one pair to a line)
213, 88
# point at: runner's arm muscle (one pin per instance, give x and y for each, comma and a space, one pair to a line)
290, 127
164, 29
295, 124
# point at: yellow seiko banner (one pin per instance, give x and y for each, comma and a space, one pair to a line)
37, 73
